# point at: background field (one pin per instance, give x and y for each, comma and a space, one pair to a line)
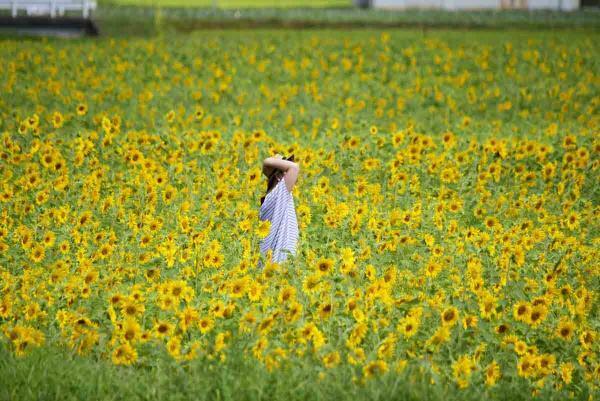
125, 21
233, 3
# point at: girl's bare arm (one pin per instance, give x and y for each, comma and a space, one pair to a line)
281, 164
290, 168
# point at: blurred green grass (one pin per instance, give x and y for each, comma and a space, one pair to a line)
74, 377
234, 3
154, 17
124, 20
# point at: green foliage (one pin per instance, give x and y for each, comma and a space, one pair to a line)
446, 179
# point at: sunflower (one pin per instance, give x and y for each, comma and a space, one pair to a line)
432, 269
449, 140
160, 178
492, 373
23, 127
6, 305
220, 340
397, 139
331, 359
374, 368
199, 113
572, 220
586, 338
205, 324
84, 218
408, 326
440, 336
170, 116
116, 299
469, 321
259, 347
286, 294
180, 290
217, 308
47, 159
449, 316
174, 346
527, 365
57, 119
325, 310
152, 274
520, 347
26, 239
487, 305
162, 329
124, 354
254, 291
502, 329
565, 329
266, 325
37, 253
371, 164
324, 266
237, 288
81, 109
548, 171
105, 250
33, 311
455, 205
521, 310
247, 322
131, 308
566, 371
33, 121
462, 369
569, 142
48, 239
388, 346
130, 330
536, 315
546, 363
145, 240
311, 284
491, 222
294, 312
135, 156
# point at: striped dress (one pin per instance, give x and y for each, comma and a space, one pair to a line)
278, 207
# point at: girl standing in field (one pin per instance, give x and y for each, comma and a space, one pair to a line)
278, 207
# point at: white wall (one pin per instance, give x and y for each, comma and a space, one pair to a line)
408, 3
470, 4
554, 4
477, 4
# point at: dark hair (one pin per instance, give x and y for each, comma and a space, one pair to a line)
272, 181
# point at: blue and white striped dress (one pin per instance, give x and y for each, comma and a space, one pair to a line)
279, 208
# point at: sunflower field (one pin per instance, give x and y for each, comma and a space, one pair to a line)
447, 204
